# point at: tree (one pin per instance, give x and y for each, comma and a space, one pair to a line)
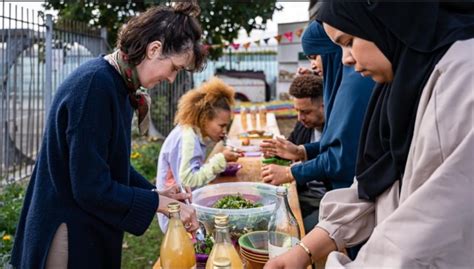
220, 19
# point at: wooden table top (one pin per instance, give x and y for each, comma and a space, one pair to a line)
251, 167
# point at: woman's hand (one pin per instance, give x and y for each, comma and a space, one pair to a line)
189, 218
187, 212
174, 192
293, 259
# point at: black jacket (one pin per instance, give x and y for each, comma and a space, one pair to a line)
300, 136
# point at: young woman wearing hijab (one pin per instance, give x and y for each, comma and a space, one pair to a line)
84, 194
413, 196
331, 162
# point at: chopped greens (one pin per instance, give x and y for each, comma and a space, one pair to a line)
276, 160
235, 202
205, 246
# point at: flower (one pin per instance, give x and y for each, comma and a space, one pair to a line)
135, 155
7, 237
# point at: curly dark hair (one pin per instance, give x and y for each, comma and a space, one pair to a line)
307, 86
175, 27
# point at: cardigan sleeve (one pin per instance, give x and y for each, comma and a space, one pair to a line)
128, 208
137, 180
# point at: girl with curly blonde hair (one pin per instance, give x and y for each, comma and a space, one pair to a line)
203, 117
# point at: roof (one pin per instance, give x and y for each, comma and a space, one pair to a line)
260, 75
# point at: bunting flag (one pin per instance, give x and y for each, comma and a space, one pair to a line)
277, 38
236, 46
246, 45
299, 32
289, 36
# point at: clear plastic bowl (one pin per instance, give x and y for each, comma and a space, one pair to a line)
241, 221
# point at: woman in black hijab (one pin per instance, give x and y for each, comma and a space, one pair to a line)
415, 160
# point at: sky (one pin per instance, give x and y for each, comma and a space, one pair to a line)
292, 11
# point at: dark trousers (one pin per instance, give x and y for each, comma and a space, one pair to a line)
309, 209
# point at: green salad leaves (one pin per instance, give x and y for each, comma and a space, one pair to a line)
235, 202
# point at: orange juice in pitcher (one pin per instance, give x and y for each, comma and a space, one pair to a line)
177, 249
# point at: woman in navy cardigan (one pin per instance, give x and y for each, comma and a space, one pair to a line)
84, 193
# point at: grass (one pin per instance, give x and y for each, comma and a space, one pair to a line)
140, 252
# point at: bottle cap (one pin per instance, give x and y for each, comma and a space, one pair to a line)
281, 190
221, 262
173, 207
221, 220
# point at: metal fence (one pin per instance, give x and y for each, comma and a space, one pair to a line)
36, 55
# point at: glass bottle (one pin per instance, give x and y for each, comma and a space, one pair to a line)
262, 115
253, 117
243, 118
177, 249
221, 263
283, 229
223, 246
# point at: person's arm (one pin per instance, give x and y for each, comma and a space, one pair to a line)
192, 171
434, 225
339, 144
345, 220
125, 207
312, 150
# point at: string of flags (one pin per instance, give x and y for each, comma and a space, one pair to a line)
236, 46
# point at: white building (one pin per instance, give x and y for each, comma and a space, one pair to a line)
290, 56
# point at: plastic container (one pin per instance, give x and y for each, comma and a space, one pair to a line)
241, 221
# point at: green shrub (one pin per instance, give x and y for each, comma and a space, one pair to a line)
144, 158
11, 201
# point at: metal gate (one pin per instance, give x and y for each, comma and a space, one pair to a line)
36, 55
